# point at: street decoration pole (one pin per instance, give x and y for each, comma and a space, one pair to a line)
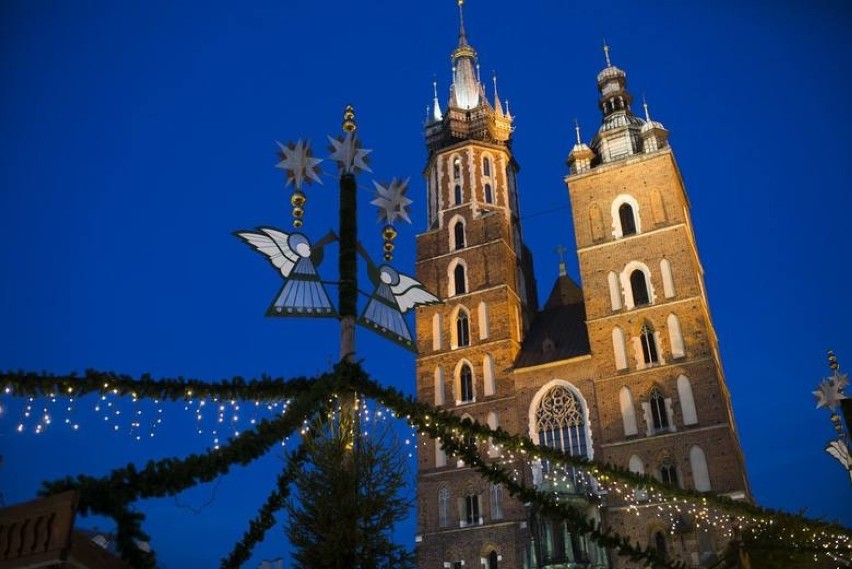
829, 394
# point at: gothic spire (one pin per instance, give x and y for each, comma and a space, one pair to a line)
498, 107
466, 88
436, 106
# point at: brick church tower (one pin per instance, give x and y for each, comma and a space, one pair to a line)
625, 370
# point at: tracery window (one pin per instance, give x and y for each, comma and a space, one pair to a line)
444, 507
559, 419
650, 355
471, 509
659, 414
668, 473
463, 329
466, 383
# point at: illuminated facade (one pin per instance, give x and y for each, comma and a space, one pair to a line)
625, 370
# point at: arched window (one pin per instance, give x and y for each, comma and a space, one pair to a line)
484, 323
496, 503
457, 195
647, 338
456, 169
488, 374
668, 279
462, 329
628, 412
444, 507
659, 413
668, 473
636, 466
458, 235
439, 385
436, 332
700, 475
639, 286
619, 348
614, 291
440, 455
493, 423
465, 384
486, 166
492, 560
489, 194
675, 336
459, 279
471, 510
660, 544
627, 219
560, 422
687, 401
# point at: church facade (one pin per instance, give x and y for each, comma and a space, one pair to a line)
625, 370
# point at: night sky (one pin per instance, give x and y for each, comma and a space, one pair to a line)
135, 136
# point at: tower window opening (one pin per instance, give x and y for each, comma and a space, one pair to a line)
492, 560
459, 278
649, 344
668, 474
463, 329
456, 169
659, 414
466, 384
639, 286
458, 234
486, 166
489, 194
628, 220
457, 196
471, 509
443, 507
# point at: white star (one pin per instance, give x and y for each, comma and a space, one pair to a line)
298, 161
392, 200
828, 394
350, 157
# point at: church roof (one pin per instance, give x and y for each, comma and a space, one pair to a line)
558, 332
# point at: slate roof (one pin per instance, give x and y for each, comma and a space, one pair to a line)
559, 331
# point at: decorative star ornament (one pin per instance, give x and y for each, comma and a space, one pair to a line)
350, 157
392, 201
829, 393
298, 162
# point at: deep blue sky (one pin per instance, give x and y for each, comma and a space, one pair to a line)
135, 136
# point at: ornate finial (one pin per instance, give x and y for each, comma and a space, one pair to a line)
435, 88
577, 130
606, 53
561, 250
832, 361
436, 106
645, 106
462, 35
478, 76
349, 119
508, 114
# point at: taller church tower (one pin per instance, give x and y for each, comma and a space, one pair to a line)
625, 370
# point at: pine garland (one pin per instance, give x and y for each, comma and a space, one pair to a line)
111, 495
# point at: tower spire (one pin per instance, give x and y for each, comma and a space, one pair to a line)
577, 130
436, 106
462, 34
606, 53
645, 106
498, 106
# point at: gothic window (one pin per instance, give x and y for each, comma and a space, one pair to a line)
668, 279
489, 194
458, 235
675, 336
560, 423
650, 354
465, 384
492, 560
496, 502
488, 374
439, 385
614, 291
700, 474
619, 348
484, 321
436, 332
456, 169
486, 166
628, 221
659, 414
444, 507
457, 195
668, 473
687, 401
639, 286
471, 509
660, 544
462, 329
628, 412
459, 279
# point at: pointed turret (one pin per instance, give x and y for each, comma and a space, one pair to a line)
580, 157
654, 134
465, 75
498, 106
436, 106
618, 135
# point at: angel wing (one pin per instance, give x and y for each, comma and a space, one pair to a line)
838, 450
409, 293
274, 244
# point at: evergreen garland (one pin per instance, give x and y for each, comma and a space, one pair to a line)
111, 495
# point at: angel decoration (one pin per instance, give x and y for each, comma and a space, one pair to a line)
303, 294
395, 293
